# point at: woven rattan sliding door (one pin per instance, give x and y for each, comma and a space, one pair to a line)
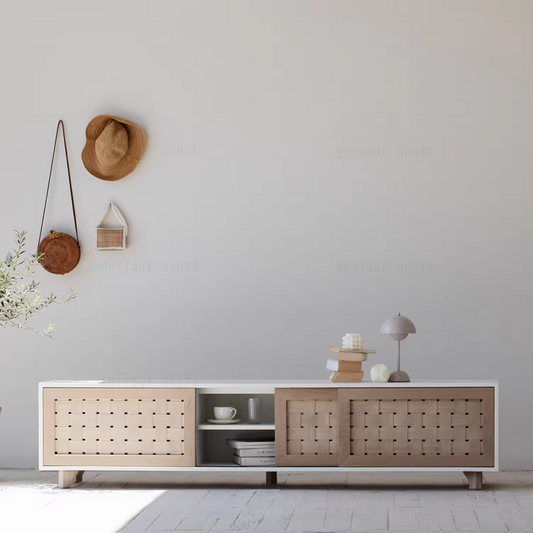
306, 427
416, 427
118, 427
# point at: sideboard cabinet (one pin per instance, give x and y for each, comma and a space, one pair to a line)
317, 426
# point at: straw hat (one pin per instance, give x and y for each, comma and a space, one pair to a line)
113, 148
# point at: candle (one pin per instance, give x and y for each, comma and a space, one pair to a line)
352, 341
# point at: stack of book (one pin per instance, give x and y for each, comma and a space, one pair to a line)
253, 452
347, 368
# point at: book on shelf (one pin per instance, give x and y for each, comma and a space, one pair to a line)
255, 452
254, 461
247, 444
346, 377
344, 366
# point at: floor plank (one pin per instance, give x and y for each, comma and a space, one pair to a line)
142, 521
338, 519
370, 520
248, 520
142, 502
168, 520
307, 520
466, 520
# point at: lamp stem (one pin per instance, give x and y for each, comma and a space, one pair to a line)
398, 356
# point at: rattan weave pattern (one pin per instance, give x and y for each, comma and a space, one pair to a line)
124, 424
307, 427
110, 238
312, 427
416, 427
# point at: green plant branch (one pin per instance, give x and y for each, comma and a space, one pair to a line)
19, 301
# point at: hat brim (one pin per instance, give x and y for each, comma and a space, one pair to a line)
136, 146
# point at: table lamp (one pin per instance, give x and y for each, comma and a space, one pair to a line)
398, 327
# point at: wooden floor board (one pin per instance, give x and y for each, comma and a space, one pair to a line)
141, 502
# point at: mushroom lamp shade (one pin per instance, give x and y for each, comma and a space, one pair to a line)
398, 327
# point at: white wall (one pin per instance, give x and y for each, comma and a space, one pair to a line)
288, 142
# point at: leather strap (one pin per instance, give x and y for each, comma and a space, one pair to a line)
60, 123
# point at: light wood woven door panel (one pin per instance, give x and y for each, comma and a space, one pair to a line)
416, 427
306, 427
118, 427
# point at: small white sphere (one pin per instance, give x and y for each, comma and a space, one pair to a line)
379, 374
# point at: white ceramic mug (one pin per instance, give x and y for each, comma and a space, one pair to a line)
225, 413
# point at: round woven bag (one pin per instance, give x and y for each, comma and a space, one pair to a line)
61, 253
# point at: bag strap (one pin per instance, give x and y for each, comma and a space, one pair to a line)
60, 123
118, 213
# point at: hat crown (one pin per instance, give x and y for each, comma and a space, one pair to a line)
111, 145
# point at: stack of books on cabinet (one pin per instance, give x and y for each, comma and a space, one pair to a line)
253, 452
347, 368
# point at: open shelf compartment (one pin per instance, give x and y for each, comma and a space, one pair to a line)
206, 402
212, 448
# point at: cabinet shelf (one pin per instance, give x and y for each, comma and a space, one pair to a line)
249, 427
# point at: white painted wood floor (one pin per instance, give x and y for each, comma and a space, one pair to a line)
134, 502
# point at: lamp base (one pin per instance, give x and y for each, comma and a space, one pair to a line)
399, 375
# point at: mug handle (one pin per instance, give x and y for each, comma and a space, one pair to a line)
233, 413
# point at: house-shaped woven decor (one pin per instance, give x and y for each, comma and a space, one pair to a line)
112, 238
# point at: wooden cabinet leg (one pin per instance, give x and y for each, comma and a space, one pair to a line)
66, 477
475, 480
271, 479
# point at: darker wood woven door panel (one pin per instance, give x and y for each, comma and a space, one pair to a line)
118, 427
306, 427
416, 427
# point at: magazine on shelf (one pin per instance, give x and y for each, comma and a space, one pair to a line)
255, 452
254, 461
247, 444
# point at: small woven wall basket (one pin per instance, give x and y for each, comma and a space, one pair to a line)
112, 238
